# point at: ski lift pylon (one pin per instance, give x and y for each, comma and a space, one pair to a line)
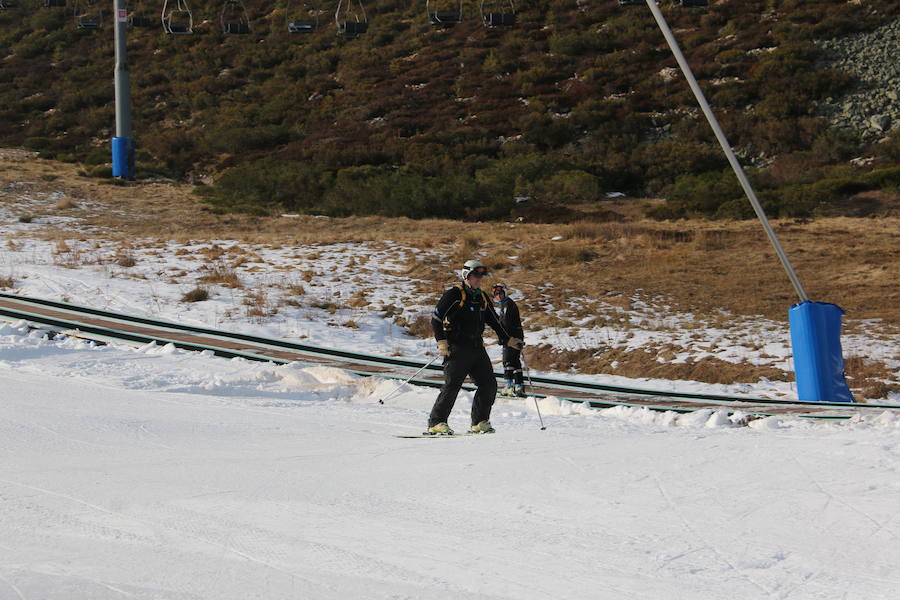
177, 18
302, 17
233, 18
444, 13
350, 17
498, 13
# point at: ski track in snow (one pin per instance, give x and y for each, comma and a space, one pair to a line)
155, 473
152, 473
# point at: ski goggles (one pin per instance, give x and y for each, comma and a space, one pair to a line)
479, 272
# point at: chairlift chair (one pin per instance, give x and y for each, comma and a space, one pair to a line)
141, 20
54, 3
692, 3
444, 13
631, 2
498, 13
233, 18
87, 16
177, 18
350, 17
9, 4
302, 19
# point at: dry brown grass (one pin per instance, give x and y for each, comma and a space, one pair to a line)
557, 254
196, 295
358, 300
126, 260
7, 283
66, 203
868, 378
643, 363
697, 266
419, 327
258, 305
219, 275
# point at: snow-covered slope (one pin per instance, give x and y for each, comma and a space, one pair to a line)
157, 474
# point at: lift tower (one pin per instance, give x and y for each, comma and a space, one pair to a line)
123, 144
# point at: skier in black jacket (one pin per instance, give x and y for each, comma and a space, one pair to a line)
458, 323
511, 321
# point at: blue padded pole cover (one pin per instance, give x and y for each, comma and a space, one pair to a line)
818, 363
123, 157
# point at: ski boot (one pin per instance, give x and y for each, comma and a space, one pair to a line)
519, 391
508, 390
440, 429
483, 427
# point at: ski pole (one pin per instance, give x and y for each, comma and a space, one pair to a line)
531, 383
394, 391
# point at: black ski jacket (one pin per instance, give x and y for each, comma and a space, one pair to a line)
510, 318
462, 313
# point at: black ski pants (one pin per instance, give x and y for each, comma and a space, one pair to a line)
466, 361
512, 364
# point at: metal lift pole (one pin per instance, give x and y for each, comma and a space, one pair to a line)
123, 144
726, 147
815, 326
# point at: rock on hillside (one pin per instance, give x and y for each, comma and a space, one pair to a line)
873, 108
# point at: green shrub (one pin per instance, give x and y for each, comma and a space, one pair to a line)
566, 187
440, 116
100, 171
98, 156
826, 196
882, 179
266, 186
237, 139
738, 209
704, 194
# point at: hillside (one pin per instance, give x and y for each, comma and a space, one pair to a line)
577, 100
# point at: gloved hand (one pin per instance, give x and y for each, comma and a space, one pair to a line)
443, 348
516, 343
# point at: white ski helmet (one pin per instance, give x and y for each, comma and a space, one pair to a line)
472, 265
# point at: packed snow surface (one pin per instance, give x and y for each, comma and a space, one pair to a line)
153, 473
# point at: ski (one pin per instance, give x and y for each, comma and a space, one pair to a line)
441, 435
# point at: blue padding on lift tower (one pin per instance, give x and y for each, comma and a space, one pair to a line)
123, 157
818, 363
